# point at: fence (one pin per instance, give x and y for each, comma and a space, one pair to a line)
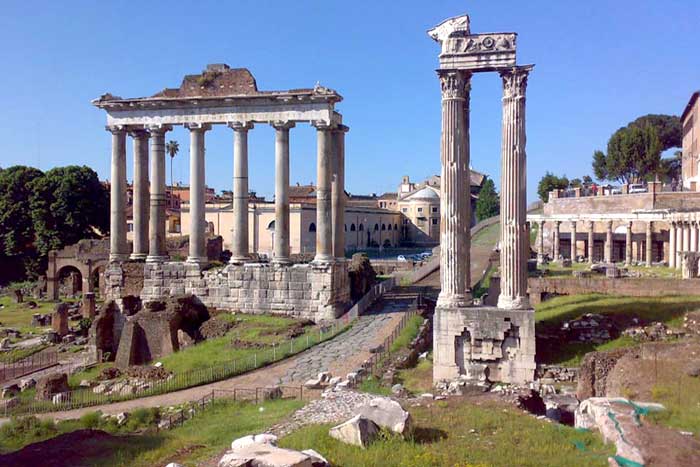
35, 362
255, 395
385, 349
368, 299
87, 397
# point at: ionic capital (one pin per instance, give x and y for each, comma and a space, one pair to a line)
455, 84
138, 133
241, 126
116, 129
158, 129
515, 81
282, 125
323, 125
198, 126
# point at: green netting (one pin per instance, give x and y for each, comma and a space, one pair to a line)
624, 462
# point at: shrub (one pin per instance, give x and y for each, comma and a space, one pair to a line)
91, 420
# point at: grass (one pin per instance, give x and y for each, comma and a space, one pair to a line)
680, 394
19, 316
459, 433
551, 314
253, 329
557, 270
482, 287
418, 380
407, 334
17, 354
488, 236
204, 436
373, 385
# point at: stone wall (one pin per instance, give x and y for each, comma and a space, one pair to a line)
678, 201
631, 286
316, 292
484, 342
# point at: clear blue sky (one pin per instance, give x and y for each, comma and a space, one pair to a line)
599, 65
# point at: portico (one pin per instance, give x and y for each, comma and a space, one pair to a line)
223, 97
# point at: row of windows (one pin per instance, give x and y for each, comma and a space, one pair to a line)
434, 209
312, 227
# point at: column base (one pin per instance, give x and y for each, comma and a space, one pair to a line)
323, 259
540, 259
157, 259
239, 259
281, 261
513, 303
138, 256
455, 301
118, 257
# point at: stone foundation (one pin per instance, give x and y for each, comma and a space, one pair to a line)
484, 342
314, 291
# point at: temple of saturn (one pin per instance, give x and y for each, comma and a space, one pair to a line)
229, 97
479, 342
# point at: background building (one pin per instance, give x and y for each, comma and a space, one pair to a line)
690, 123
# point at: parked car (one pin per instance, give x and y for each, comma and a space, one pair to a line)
401, 258
615, 190
426, 254
637, 188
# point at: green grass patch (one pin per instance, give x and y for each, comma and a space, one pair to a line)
457, 433
419, 379
551, 314
488, 236
373, 385
680, 394
482, 287
407, 334
19, 315
18, 354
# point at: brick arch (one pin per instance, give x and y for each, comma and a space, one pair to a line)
86, 268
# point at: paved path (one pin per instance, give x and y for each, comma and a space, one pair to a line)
339, 356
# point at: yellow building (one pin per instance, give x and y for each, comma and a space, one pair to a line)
690, 123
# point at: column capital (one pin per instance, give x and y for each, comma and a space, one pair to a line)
573, 224
138, 132
116, 129
343, 128
591, 224
240, 126
198, 126
323, 125
609, 224
282, 125
158, 128
515, 80
455, 84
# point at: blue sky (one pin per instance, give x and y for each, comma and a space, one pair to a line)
599, 65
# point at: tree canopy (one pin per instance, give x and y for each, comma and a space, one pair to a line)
488, 204
634, 152
551, 182
44, 211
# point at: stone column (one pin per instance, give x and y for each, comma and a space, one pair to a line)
324, 163
198, 249
514, 233
609, 242
693, 236
686, 236
628, 244
555, 241
157, 250
338, 191
240, 247
281, 247
540, 242
455, 284
141, 194
649, 243
672, 245
117, 203
591, 239
679, 244
573, 241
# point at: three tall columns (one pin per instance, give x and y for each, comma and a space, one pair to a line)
514, 233
197, 253
455, 205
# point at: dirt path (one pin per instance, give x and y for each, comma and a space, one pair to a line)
339, 356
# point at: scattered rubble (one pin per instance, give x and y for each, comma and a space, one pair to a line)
358, 431
262, 451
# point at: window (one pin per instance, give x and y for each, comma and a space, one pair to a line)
389, 227
404, 209
435, 221
383, 226
396, 227
420, 209
312, 227
346, 227
435, 209
362, 227
352, 227
376, 227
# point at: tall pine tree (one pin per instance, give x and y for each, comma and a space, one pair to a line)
488, 204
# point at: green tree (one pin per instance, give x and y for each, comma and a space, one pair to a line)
575, 183
671, 167
551, 182
488, 204
172, 148
634, 151
68, 204
587, 180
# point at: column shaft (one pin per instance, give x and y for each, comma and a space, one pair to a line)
324, 168
693, 237
455, 206
281, 246
514, 233
555, 241
141, 194
573, 241
540, 242
240, 247
338, 192
117, 207
628, 244
679, 243
609, 242
198, 252
591, 240
672, 245
649, 243
157, 250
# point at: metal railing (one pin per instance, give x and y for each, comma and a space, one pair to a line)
87, 397
35, 362
363, 304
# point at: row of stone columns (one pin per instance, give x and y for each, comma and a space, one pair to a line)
608, 246
683, 236
149, 224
